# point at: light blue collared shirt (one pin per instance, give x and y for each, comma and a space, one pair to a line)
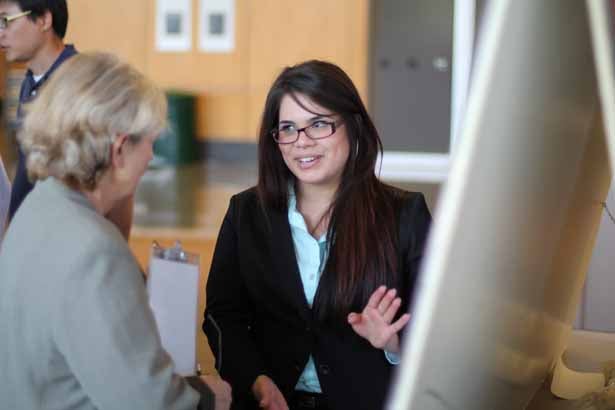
311, 257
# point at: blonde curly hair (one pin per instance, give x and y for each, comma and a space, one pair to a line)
91, 99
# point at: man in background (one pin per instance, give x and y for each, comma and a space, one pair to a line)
32, 32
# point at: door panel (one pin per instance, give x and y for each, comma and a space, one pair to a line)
411, 54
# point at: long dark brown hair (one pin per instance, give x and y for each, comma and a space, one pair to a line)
362, 230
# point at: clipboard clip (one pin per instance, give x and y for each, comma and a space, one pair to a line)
175, 253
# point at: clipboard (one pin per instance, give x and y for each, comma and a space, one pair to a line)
172, 287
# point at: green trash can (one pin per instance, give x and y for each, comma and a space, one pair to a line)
177, 144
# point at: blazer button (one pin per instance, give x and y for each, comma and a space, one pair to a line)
324, 369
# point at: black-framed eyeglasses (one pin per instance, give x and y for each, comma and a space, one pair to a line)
288, 133
5, 20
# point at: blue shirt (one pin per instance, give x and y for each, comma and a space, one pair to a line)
311, 257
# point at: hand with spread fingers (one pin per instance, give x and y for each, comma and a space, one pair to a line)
375, 322
268, 395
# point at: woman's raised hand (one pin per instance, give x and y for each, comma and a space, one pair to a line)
374, 322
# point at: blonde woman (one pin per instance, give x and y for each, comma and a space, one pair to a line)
76, 329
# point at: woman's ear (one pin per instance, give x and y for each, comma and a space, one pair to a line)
118, 151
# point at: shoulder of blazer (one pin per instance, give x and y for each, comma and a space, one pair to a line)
248, 196
241, 203
412, 215
403, 201
246, 207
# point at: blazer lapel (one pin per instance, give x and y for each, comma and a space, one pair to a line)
286, 270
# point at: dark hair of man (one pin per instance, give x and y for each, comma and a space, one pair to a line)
362, 229
37, 8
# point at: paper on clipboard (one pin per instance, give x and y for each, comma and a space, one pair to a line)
172, 287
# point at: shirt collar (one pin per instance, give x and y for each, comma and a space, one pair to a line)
295, 219
294, 216
68, 51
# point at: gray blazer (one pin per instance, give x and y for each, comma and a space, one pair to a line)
76, 330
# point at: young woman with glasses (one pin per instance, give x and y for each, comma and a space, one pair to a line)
313, 269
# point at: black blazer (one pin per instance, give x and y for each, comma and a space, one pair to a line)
258, 320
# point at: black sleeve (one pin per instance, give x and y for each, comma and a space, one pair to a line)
229, 311
417, 225
415, 221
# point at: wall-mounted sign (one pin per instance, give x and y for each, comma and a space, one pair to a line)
173, 25
217, 26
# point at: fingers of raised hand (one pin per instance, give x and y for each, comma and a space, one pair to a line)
400, 323
376, 297
354, 318
391, 310
386, 301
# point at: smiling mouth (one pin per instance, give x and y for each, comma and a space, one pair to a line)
306, 162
